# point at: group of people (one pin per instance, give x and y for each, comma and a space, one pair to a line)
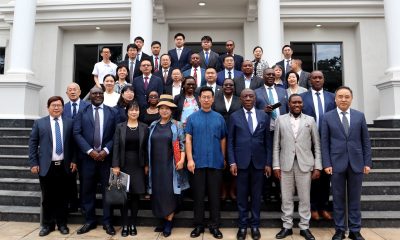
219, 125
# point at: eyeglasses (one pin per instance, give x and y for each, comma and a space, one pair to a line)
56, 105
206, 97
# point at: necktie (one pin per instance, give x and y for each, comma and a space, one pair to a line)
271, 101
250, 121
207, 58
156, 65
131, 71
165, 76
320, 109
212, 88
195, 74
138, 57
230, 74
179, 51
345, 123
255, 68
146, 82
74, 109
59, 149
96, 137
288, 67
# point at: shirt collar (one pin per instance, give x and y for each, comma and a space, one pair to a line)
267, 87
320, 91
78, 101
292, 116
340, 111
253, 110
101, 106
52, 118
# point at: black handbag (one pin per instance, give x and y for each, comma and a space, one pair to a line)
115, 192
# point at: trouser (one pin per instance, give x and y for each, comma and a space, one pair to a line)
131, 205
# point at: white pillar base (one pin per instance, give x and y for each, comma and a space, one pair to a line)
20, 96
389, 101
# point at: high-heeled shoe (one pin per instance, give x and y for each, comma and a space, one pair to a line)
125, 231
132, 230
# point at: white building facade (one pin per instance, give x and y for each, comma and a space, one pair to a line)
40, 39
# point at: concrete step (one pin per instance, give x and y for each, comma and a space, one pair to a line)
10, 131
383, 175
16, 172
14, 140
386, 163
384, 132
14, 149
20, 198
16, 123
385, 142
381, 188
385, 152
19, 184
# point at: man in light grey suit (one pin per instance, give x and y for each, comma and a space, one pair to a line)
295, 164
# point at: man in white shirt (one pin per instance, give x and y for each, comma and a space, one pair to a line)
155, 58
208, 58
139, 41
211, 79
287, 60
196, 71
104, 67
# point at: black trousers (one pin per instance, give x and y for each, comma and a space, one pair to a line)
54, 196
320, 189
209, 179
131, 205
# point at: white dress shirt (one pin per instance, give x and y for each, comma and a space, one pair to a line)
101, 118
54, 155
253, 117
247, 81
341, 115
228, 103
78, 102
232, 73
315, 101
198, 72
213, 86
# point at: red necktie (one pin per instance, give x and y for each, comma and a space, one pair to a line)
146, 82
195, 74
156, 65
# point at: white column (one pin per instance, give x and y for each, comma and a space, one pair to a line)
23, 31
389, 85
142, 22
269, 29
18, 86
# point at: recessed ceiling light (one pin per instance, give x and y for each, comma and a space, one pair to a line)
318, 25
202, 4
98, 28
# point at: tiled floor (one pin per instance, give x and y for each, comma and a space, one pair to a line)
21, 230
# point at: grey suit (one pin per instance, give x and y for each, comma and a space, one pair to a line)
212, 60
293, 155
304, 80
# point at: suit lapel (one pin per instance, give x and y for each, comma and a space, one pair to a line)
337, 118
353, 121
286, 119
48, 129
301, 125
244, 120
106, 116
65, 127
91, 117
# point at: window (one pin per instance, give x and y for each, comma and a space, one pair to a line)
326, 57
2, 57
86, 55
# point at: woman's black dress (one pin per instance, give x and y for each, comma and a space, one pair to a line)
163, 199
132, 163
147, 118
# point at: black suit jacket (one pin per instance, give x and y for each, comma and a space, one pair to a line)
304, 80
237, 58
184, 61
179, 100
136, 72
119, 145
219, 106
160, 74
213, 60
155, 84
255, 83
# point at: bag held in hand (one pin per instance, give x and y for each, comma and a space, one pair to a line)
115, 192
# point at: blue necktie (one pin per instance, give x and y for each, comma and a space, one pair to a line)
250, 121
74, 109
59, 149
207, 58
320, 109
271, 101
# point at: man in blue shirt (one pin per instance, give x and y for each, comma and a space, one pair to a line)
205, 149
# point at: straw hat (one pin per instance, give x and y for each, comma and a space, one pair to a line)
166, 100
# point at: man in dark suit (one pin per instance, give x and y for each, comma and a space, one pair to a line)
71, 109
249, 155
346, 156
180, 55
304, 77
195, 71
139, 41
247, 80
132, 62
287, 61
316, 102
211, 81
155, 58
94, 129
230, 46
146, 83
208, 58
229, 71
166, 70
51, 157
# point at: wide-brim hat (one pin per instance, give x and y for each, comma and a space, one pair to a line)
166, 100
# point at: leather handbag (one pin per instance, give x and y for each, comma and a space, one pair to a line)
115, 192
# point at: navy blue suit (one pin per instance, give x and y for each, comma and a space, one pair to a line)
262, 99
93, 171
184, 61
320, 188
347, 155
53, 178
155, 84
67, 108
203, 76
237, 58
251, 152
221, 76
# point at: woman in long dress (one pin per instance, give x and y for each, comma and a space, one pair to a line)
167, 177
130, 156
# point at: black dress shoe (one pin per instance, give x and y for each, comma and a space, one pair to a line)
132, 230
64, 230
339, 235
255, 233
241, 234
197, 231
46, 230
355, 236
109, 229
167, 228
125, 231
284, 233
216, 233
86, 228
306, 233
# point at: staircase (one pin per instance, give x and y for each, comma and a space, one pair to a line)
20, 190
